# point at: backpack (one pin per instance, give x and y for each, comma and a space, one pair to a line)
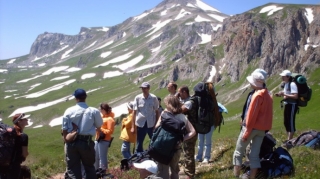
277, 163
205, 111
166, 137
304, 91
7, 143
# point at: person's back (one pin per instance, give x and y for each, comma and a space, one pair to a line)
126, 135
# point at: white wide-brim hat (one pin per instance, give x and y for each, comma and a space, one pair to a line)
149, 165
256, 79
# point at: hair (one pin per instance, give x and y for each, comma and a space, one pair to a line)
105, 107
82, 98
15, 124
175, 86
159, 99
173, 104
185, 88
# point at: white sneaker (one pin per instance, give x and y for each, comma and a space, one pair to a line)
205, 161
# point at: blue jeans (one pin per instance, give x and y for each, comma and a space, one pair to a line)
141, 134
101, 149
125, 149
204, 141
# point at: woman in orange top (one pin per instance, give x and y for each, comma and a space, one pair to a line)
126, 135
257, 120
103, 139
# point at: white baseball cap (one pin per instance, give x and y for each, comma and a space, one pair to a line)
256, 79
149, 165
285, 73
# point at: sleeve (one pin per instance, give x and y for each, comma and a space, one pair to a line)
294, 88
127, 122
24, 140
135, 103
156, 103
65, 120
110, 126
97, 118
188, 105
252, 114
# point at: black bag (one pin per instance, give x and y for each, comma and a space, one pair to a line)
277, 163
304, 91
8, 137
166, 138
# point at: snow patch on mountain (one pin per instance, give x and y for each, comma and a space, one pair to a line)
219, 18
88, 75
90, 45
205, 6
105, 29
158, 26
112, 74
116, 60
106, 44
205, 38
11, 61
130, 63
309, 15
145, 67
181, 14
270, 9
66, 54
59, 78
201, 19
105, 54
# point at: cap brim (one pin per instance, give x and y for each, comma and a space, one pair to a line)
250, 80
139, 165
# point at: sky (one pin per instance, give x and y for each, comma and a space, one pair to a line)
21, 21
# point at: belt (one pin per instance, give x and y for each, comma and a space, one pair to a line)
84, 137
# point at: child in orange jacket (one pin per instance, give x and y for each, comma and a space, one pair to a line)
126, 135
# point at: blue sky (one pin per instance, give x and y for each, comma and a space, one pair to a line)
21, 21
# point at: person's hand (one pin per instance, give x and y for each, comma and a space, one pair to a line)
132, 130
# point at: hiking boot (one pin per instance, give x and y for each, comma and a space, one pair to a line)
205, 161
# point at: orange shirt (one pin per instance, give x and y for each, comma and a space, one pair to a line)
107, 126
260, 112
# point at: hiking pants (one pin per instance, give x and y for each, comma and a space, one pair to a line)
125, 149
141, 134
163, 170
256, 136
189, 151
290, 111
205, 143
101, 149
81, 150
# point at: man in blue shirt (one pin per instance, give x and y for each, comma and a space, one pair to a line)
81, 150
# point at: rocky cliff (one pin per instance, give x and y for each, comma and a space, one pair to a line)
287, 39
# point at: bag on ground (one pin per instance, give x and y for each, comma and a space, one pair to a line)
166, 137
205, 111
309, 139
278, 163
7, 143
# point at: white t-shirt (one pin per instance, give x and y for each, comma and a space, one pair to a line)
293, 90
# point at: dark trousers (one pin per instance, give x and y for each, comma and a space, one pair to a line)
10, 172
188, 160
80, 151
290, 111
141, 134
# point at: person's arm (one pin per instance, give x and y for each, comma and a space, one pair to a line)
184, 109
133, 124
110, 127
158, 123
252, 115
25, 151
191, 131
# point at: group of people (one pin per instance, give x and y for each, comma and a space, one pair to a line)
84, 156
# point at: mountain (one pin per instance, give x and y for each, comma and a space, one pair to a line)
186, 41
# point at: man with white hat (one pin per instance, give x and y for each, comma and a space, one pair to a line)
147, 169
290, 96
145, 114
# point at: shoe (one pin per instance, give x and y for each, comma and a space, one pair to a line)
205, 161
198, 160
245, 176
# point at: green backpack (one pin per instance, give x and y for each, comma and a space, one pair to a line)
304, 91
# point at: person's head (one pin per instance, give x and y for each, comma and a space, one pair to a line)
263, 72
20, 121
105, 108
146, 168
183, 92
172, 87
145, 87
286, 76
256, 80
173, 104
80, 95
130, 107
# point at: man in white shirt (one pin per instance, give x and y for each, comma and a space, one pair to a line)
172, 88
290, 96
145, 114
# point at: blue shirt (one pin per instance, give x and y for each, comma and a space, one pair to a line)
86, 118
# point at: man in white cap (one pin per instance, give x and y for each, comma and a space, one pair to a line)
257, 120
290, 96
145, 114
147, 169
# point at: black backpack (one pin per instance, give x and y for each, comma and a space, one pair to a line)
304, 91
205, 111
8, 137
277, 164
165, 138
